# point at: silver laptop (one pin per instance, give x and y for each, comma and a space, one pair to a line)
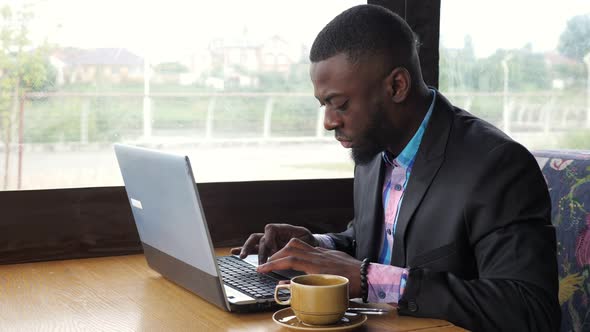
169, 216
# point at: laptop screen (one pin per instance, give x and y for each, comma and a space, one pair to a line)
165, 205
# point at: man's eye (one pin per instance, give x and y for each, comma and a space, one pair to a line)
343, 106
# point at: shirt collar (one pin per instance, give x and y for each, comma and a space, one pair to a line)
406, 157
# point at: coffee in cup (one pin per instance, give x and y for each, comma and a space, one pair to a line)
317, 299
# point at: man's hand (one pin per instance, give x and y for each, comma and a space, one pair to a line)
300, 256
275, 237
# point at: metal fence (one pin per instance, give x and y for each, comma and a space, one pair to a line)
106, 117
85, 118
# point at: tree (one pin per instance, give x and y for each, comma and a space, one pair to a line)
458, 67
22, 69
461, 71
574, 41
528, 70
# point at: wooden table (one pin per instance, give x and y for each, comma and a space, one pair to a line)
123, 294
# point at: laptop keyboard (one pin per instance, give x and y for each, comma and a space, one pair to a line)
242, 276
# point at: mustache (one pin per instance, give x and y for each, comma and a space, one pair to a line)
338, 135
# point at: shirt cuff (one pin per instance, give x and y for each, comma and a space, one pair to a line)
386, 283
325, 241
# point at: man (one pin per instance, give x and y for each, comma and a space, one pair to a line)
451, 217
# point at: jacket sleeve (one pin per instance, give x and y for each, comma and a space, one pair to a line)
345, 241
508, 218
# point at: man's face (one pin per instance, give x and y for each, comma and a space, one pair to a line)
353, 97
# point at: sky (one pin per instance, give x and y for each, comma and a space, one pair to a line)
165, 29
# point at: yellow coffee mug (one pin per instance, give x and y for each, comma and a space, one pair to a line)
317, 299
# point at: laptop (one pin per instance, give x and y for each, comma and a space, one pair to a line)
172, 228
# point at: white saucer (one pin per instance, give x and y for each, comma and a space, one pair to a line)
286, 318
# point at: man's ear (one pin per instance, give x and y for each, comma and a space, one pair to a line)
398, 84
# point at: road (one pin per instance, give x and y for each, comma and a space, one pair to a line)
66, 167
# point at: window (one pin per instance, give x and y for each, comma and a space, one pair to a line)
522, 65
210, 94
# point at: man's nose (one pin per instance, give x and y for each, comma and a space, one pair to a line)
332, 119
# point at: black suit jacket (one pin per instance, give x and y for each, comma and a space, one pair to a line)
474, 228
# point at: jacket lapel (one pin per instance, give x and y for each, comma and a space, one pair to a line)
368, 196
428, 161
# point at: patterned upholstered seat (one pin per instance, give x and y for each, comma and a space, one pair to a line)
568, 177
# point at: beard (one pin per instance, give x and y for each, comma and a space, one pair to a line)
375, 139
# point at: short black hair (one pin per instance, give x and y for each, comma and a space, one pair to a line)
365, 30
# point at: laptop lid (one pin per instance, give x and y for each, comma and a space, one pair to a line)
170, 221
